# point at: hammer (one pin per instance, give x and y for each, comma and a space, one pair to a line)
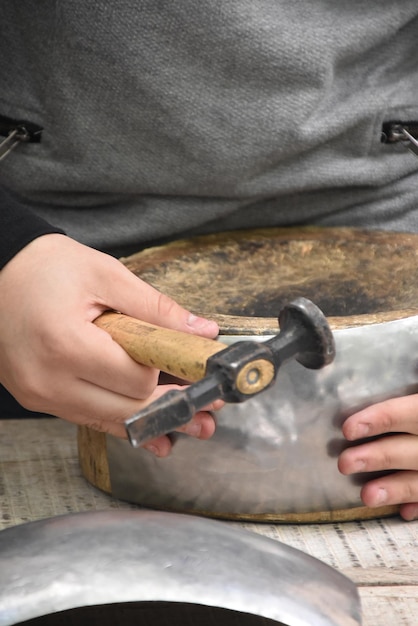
232, 373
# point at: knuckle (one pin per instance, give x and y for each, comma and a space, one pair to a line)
166, 306
409, 482
33, 393
387, 421
386, 461
56, 347
148, 383
409, 492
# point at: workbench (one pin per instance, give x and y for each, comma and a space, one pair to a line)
40, 477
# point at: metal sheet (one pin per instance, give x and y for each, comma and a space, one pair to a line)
101, 558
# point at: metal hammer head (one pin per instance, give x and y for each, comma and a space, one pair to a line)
304, 335
303, 317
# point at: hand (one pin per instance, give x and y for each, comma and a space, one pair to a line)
398, 451
54, 360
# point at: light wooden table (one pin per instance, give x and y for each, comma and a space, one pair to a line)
40, 477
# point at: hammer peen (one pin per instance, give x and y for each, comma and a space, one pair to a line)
232, 373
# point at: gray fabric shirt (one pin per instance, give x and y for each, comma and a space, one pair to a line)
166, 117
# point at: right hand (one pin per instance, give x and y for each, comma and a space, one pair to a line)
54, 360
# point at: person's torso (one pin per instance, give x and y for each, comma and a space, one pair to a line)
210, 106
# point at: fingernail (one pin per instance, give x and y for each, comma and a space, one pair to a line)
360, 431
153, 449
194, 429
197, 323
363, 430
382, 496
359, 465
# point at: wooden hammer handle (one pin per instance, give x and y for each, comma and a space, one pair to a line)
181, 354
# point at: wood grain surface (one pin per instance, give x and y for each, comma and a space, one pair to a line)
243, 278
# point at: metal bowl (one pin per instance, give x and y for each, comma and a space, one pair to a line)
159, 567
275, 457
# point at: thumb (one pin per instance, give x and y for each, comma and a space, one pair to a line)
138, 299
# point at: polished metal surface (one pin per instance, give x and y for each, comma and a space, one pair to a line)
277, 453
101, 558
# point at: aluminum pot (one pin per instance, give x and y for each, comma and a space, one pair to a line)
275, 457
158, 568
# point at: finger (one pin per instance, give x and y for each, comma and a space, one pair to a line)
82, 402
397, 488
106, 364
394, 415
106, 411
201, 426
134, 297
394, 452
409, 511
88, 354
